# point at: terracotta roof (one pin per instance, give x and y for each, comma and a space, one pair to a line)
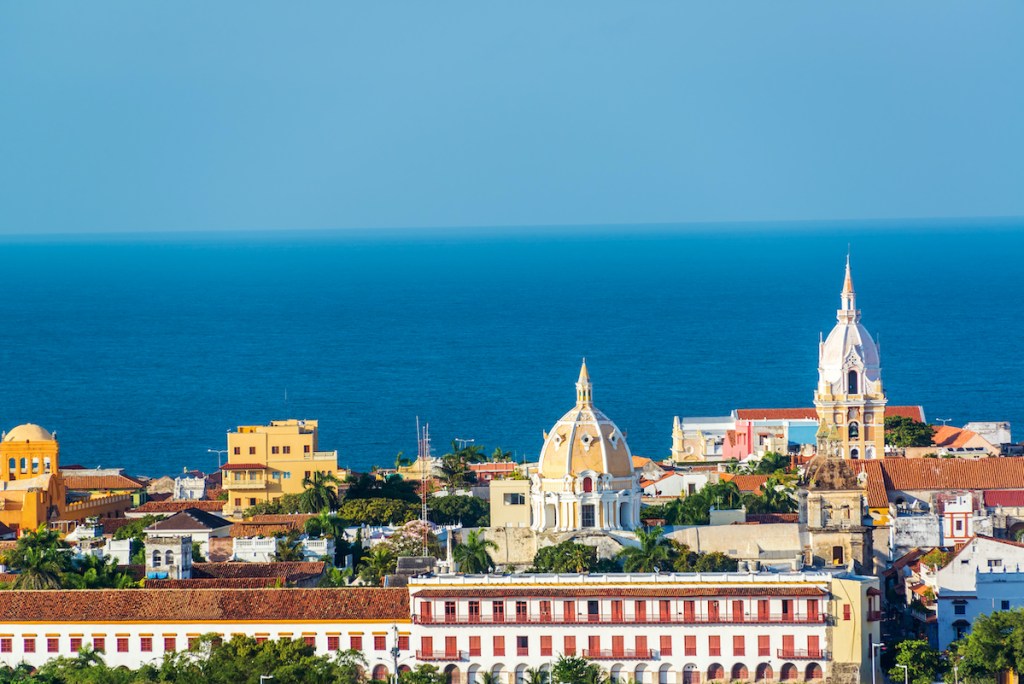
112, 525
778, 414
293, 571
189, 519
1011, 498
216, 582
952, 437
947, 473
877, 495
243, 466
205, 605
93, 482
625, 591
912, 412
771, 518
298, 518
640, 461
175, 506
746, 483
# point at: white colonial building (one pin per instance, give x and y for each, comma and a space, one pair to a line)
653, 628
984, 576
585, 477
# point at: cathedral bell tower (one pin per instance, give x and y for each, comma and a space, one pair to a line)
850, 400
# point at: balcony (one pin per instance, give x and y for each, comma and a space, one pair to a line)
874, 615
440, 656
802, 654
321, 456
244, 485
618, 654
617, 619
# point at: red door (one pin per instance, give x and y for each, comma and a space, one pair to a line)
737, 611
712, 611
763, 614
425, 610
787, 646
616, 611
812, 610
450, 650
688, 611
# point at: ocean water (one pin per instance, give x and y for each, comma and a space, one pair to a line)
141, 352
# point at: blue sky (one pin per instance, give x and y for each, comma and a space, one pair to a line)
128, 116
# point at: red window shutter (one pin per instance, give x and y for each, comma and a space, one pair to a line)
737, 611
427, 645
739, 646
474, 645
357, 642
380, 643
846, 611
665, 611
715, 645
333, 643
812, 645
425, 611
569, 611
763, 610
450, 647
764, 645
641, 611
545, 645
499, 645
403, 642
169, 644
690, 645
570, 646
812, 610
787, 645
689, 610
666, 645
618, 645
594, 644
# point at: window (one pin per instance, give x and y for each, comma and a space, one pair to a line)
305, 449
474, 611
993, 562
739, 646
380, 643
690, 645
640, 611
570, 646
449, 611
53, 645
451, 648
474, 645
252, 500
545, 645
714, 645
666, 645
764, 645
427, 645
169, 557
356, 641
238, 501
146, 644
252, 450
403, 642
334, 642
499, 646
851, 381
6, 645
286, 450
960, 607
846, 611
275, 450
522, 646
593, 611
122, 644
837, 555
854, 430
76, 643
99, 643
521, 614
960, 528
156, 559
169, 643
30, 645
569, 611
498, 610
545, 611
594, 644
238, 451
641, 646
515, 499
1005, 605
587, 517
588, 484
286, 476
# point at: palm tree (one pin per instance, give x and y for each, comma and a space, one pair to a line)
500, 456
487, 678
378, 562
455, 471
402, 461
536, 676
39, 569
320, 493
654, 552
472, 555
289, 548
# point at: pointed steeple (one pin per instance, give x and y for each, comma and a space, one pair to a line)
583, 387
848, 308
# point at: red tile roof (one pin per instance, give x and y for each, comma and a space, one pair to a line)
624, 591
936, 474
913, 412
771, 518
746, 483
243, 466
94, 482
952, 437
297, 518
176, 506
877, 495
292, 571
205, 605
216, 583
1011, 498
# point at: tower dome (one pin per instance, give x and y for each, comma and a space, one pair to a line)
585, 440
28, 432
585, 475
847, 348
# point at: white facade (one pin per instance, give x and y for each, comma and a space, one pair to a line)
262, 549
985, 576
189, 488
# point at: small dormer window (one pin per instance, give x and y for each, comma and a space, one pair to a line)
586, 440
614, 438
557, 439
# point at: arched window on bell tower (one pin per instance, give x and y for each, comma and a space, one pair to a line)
851, 382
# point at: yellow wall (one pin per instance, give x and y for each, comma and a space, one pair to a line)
287, 452
35, 486
852, 639
23, 460
505, 514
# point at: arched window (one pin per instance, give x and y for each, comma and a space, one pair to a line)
851, 382
156, 559
24, 464
35, 464
854, 430
854, 453
169, 557
588, 484
46, 464
10, 464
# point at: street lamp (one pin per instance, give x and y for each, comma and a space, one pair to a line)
218, 452
956, 678
874, 649
906, 673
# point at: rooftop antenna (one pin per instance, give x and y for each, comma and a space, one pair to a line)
423, 449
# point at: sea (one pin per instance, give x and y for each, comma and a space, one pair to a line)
143, 351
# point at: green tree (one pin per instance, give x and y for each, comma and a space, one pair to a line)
569, 556
536, 676
901, 431
288, 547
924, 663
576, 670
995, 644
453, 509
772, 462
368, 487
654, 552
501, 456
39, 569
472, 555
422, 674
378, 511
93, 572
777, 496
379, 561
197, 553
283, 505
455, 471
320, 492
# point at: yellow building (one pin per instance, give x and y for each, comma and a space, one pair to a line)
850, 400
267, 461
31, 488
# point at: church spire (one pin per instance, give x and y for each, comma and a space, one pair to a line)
583, 387
848, 298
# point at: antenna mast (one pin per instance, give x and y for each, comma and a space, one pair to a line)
423, 440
